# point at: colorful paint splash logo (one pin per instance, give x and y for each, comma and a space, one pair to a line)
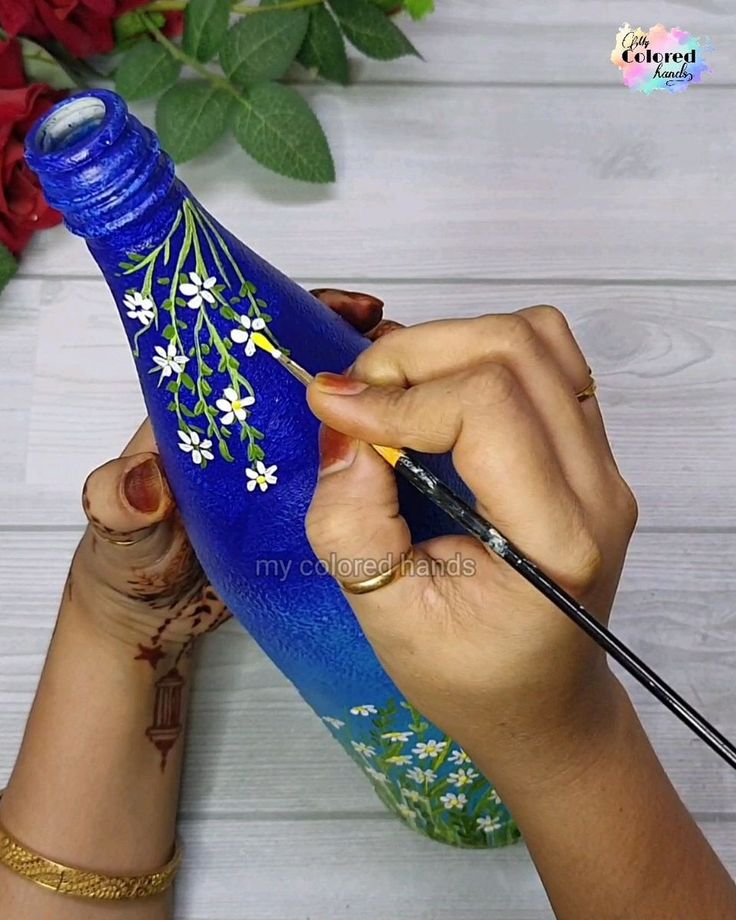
660, 59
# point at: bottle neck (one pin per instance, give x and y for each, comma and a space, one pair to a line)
105, 172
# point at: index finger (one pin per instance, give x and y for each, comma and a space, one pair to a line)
498, 446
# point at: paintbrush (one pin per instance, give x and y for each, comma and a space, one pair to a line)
425, 481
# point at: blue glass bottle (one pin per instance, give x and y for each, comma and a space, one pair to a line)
239, 445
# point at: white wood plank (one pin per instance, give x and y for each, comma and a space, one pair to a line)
255, 748
350, 870
483, 182
19, 318
535, 41
663, 357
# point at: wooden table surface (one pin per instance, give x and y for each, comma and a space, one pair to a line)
511, 168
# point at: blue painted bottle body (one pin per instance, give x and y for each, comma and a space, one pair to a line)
239, 445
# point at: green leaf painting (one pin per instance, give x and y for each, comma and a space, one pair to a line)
186, 347
423, 776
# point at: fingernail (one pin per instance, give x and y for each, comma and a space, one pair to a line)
367, 300
143, 486
339, 295
362, 311
338, 384
336, 450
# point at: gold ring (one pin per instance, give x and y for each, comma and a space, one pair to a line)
378, 581
118, 542
108, 539
589, 391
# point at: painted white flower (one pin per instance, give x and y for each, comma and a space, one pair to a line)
199, 291
139, 307
462, 778
430, 748
169, 361
421, 776
395, 737
399, 759
233, 406
405, 811
450, 800
376, 775
362, 748
494, 797
243, 334
458, 756
488, 824
262, 476
410, 794
365, 710
335, 723
192, 444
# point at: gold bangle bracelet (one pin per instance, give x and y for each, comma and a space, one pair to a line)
81, 883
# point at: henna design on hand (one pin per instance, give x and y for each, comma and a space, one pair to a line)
166, 727
181, 587
152, 654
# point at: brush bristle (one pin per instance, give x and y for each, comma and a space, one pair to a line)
261, 341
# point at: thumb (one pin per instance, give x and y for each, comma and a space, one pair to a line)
129, 506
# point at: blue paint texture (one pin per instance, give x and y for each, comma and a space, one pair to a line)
116, 188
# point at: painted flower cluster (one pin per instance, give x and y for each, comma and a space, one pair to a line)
426, 779
208, 418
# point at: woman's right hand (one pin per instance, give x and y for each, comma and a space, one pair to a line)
485, 656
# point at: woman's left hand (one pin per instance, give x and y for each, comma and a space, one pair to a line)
135, 573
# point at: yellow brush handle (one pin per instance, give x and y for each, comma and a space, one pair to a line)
391, 455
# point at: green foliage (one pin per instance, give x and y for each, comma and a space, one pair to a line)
262, 46
131, 26
324, 47
418, 9
8, 266
272, 122
382, 744
42, 67
275, 126
190, 117
206, 23
193, 402
371, 31
146, 70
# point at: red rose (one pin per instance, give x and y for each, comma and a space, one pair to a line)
12, 74
174, 24
84, 27
23, 209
